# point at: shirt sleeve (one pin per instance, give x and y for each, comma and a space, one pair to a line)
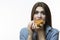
55, 35
23, 34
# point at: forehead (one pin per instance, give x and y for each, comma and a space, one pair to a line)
39, 9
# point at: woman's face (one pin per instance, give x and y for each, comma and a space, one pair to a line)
39, 13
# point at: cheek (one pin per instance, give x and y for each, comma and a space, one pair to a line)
35, 17
43, 16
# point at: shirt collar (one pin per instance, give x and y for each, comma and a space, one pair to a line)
48, 28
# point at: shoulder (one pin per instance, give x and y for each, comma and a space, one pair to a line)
50, 29
53, 30
23, 30
53, 33
24, 33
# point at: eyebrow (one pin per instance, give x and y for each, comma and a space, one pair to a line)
43, 11
38, 11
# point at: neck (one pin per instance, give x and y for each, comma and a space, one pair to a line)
41, 34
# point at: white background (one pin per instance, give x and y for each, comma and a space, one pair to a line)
15, 14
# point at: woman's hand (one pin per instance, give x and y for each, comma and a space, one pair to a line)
30, 32
32, 27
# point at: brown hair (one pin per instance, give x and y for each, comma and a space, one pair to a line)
47, 12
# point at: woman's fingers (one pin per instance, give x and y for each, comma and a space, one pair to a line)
32, 26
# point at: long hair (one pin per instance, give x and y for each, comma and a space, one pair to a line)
47, 12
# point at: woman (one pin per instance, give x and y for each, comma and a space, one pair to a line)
45, 32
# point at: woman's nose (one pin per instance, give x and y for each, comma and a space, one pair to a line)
39, 15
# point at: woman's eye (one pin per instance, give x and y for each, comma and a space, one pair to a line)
36, 12
43, 12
